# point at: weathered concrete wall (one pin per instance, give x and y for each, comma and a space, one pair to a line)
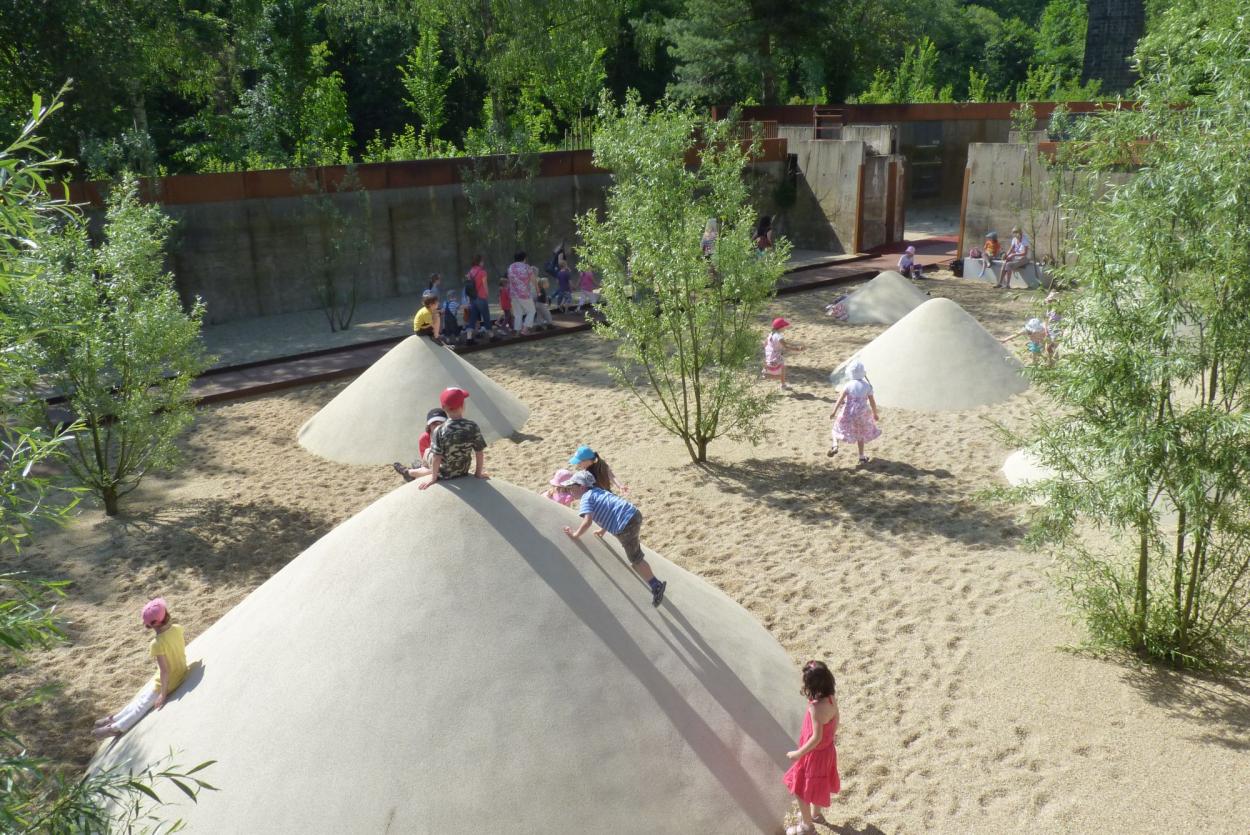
1008, 185
881, 220
880, 139
826, 213
261, 257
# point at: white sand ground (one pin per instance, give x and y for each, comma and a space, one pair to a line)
884, 300
380, 416
962, 711
938, 358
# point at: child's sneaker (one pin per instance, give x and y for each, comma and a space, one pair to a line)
657, 593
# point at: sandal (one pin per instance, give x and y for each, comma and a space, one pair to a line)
402, 470
800, 829
863, 459
832, 451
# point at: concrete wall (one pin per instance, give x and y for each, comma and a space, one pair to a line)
882, 207
261, 257
826, 210
880, 139
1008, 185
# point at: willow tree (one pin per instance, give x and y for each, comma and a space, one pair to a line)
1154, 373
686, 324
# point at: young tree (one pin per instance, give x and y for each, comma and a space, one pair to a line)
685, 325
104, 326
1154, 377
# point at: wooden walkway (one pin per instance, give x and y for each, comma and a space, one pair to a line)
261, 377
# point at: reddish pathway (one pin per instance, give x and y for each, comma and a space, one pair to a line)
253, 378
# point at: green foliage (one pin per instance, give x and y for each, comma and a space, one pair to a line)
914, 80
105, 327
1047, 84
684, 325
1061, 39
1154, 446
426, 80
498, 183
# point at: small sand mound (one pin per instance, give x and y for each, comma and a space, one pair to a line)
1022, 467
884, 300
494, 677
380, 416
938, 358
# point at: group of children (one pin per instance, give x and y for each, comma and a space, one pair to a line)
525, 301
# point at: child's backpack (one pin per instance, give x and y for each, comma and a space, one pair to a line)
553, 264
975, 252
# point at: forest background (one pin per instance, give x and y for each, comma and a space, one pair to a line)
175, 86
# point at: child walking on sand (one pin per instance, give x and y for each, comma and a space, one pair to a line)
616, 516
775, 348
814, 776
1039, 340
169, 649
855, 413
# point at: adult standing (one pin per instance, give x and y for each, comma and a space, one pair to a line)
1018, 254
477, 288
521, 289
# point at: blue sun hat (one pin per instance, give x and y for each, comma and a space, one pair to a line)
583, 454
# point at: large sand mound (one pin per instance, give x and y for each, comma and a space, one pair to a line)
379, 417
938, 358
483, 673
1022, 467
884, 300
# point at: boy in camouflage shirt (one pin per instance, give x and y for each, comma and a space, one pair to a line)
456, 443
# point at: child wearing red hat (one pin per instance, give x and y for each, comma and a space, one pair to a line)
775, 347
456, 443
170, 651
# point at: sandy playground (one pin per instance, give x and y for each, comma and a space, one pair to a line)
961, 709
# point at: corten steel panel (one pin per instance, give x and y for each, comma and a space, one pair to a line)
366, 178
583, 163
556, 164
86, 194
201, 188
422, 173
278, 182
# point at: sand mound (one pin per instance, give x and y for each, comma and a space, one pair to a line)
884, 300
1022, 467
938, 358
380, 416
489, 673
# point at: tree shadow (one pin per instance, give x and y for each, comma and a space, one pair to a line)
853, 829
893, 496
1219, 705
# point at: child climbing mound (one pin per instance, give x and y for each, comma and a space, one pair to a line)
814, 776
616, 516
169, 649
855, 413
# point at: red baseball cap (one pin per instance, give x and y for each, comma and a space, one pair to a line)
453, 398
780, 323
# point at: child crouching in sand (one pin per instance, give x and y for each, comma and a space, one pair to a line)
1039, 340
170, 651
616, 516
857, 420
814, 776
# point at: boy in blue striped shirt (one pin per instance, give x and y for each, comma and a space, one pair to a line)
616, 516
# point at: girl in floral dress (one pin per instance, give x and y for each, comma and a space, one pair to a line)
855, 413
814, 775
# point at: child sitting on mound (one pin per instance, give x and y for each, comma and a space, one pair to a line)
433, 419
616, 516
428, 321
169, 649
455, 444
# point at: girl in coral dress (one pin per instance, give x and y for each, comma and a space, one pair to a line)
855, 412
814, 775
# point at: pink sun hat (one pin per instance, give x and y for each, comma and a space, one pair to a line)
780, 323
154, 612
560, 478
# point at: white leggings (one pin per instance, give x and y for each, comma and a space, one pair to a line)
144, 701
522, 313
